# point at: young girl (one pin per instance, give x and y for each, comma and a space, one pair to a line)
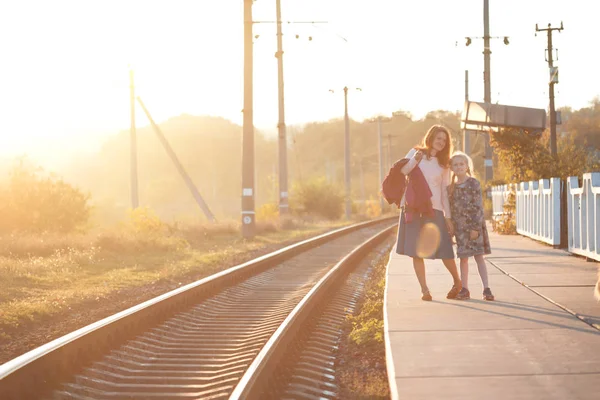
466, 206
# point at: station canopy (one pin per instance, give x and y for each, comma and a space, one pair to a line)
486, 116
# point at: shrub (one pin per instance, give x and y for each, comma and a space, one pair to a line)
35, 203
267, 212
506, 224
144, 220
320, 198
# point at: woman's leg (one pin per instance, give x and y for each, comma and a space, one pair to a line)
450, 265
482, 270
464, 272
419, 266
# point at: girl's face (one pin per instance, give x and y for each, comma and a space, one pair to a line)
439, 141
459, 166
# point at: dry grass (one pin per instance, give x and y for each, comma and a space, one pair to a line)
362, 370
47, 274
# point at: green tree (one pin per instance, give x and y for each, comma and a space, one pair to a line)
33, 202
319, 198
525, 156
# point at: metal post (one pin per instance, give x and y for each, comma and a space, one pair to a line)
553, 80
487, 98
133, 144
553, 147
186, 178
389, 138
381, 170
466, 133
347, 154
248, 217
283, 174
362, 183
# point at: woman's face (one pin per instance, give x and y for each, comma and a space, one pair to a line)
439, 141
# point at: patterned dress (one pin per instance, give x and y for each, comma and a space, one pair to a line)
466, 205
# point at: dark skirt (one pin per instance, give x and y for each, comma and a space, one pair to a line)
425, 237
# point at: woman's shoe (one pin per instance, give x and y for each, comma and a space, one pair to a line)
426, 296
487, 294
454, 291
464, 294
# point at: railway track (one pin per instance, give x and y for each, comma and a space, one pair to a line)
225, 336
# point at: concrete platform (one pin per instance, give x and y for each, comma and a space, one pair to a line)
533, 342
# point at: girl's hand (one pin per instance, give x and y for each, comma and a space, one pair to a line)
450, 226
474, 235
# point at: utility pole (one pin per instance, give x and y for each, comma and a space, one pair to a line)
347, 154
362, 182
551, 83
487, 90
381, 157
466, 132
186, 178
347, 151
248, 216
133, 144
281, 127
379, 121
487, 97
283, 174
381, 171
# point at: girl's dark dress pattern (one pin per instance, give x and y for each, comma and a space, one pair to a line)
467, 214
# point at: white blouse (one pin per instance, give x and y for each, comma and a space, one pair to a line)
437, 178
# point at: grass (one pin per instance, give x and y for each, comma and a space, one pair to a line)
44, 275
363, 374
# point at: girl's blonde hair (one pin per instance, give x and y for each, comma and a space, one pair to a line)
468, 160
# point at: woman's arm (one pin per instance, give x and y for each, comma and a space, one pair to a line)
445, 199
412, 162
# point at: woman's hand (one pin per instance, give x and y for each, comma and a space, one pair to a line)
418, 155
450, 226
474, 235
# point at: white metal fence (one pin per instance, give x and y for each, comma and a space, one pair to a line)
538, 208
499, 197
583, 207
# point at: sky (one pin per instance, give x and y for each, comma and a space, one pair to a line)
64, 75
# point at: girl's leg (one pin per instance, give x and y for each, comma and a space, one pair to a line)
482, 270
464, 272
419, 266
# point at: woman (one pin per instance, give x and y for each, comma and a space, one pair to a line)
428, 236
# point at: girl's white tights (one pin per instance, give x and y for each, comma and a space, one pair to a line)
481, 267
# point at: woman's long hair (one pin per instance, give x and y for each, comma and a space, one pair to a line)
426, 146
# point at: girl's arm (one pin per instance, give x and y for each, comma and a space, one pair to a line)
475, 207
412, 162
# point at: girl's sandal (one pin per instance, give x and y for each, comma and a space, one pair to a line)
464, 294
487, 294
